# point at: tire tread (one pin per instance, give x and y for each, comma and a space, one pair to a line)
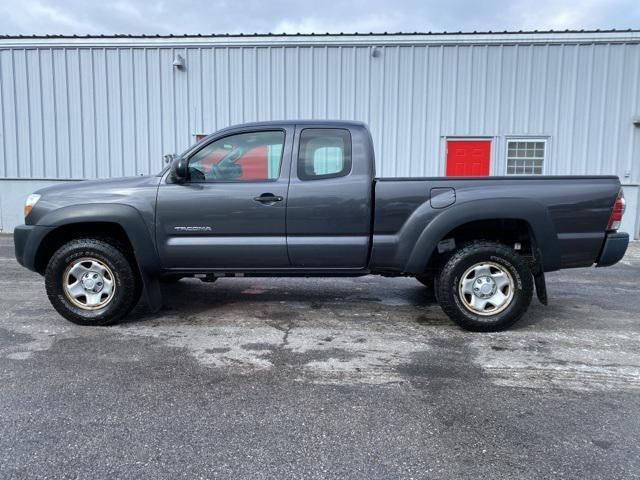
125, 271
446, 298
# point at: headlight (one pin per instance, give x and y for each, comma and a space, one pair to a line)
30, 203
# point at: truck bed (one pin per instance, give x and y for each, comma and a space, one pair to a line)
572, 209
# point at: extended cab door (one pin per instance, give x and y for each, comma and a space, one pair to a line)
230, 213
330, 198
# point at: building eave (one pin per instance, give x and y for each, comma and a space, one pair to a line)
355, 39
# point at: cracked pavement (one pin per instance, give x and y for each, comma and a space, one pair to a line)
322, 378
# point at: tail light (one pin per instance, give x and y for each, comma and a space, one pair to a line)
617, 212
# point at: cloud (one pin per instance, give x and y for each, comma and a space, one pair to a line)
32, 14
291, 16
371, 23
561, 15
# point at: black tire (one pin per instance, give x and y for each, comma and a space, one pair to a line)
471, 254
126, 280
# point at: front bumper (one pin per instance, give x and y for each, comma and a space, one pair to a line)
613, 249
27, 240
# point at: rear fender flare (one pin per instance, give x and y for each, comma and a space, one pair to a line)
535, 214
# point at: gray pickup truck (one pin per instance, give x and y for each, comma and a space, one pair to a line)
300, 198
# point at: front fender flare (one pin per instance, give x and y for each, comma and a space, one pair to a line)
130, 219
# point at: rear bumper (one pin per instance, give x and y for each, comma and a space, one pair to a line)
613, 249
27, 240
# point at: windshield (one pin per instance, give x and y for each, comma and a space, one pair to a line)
186, 153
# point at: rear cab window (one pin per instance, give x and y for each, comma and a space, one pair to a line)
324, 153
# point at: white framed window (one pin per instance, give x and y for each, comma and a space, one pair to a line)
526, 156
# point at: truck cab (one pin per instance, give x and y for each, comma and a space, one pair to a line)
270, 197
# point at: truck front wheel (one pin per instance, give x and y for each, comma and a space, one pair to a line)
485, 287
91, 282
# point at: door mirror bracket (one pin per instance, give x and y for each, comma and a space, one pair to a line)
179, 171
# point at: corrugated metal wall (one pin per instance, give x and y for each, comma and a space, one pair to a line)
81, 112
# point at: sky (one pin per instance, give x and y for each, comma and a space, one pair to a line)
79, 17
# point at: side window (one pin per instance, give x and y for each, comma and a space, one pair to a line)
324, 153
253, 156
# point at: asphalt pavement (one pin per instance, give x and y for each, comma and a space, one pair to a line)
322, 378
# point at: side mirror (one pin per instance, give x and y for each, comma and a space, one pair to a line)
179, 171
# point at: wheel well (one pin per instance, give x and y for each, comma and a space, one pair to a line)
502, 230
109, 231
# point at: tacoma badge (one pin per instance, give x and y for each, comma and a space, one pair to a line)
192, 229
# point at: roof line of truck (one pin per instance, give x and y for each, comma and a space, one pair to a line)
282, 123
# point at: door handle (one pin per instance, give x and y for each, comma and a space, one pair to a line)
268, 198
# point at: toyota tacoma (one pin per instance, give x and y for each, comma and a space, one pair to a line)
300, 198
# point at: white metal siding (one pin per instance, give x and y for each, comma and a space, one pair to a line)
102, 111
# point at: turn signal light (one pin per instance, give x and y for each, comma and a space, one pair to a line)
30, 203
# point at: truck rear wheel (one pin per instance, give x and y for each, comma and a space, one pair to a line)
91, 282
485, 287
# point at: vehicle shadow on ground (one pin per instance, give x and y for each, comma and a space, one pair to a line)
191, 297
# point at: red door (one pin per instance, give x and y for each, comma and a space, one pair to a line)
468, 158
